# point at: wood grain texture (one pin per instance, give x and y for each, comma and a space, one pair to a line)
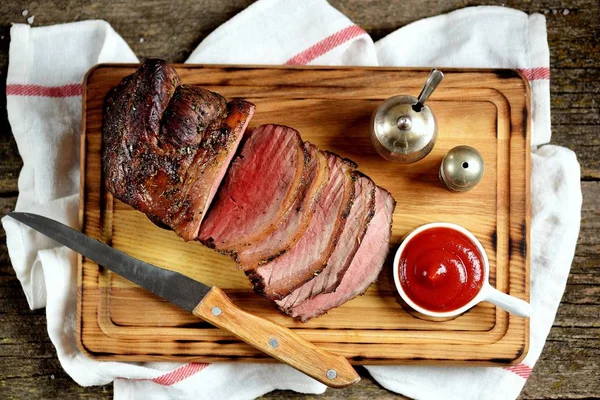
568, 367
496, 211
280, 343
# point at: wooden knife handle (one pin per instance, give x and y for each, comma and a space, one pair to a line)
276, 340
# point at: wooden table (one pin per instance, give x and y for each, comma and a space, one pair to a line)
570, 364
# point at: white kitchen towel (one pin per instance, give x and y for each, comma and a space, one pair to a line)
44, 94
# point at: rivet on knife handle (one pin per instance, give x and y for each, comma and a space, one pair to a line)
276, 340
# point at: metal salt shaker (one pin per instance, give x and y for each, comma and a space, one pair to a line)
462, 168
403, 128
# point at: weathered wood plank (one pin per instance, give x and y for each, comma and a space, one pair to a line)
568, 367
582, 294
10, 162
586, 264
56, 385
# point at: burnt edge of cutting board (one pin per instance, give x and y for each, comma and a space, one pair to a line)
97, 336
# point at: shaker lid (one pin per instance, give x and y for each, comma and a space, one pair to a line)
462, 168
403, 125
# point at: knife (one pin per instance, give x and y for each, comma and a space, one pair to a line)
208, 303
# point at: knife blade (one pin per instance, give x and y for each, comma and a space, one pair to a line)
208, 303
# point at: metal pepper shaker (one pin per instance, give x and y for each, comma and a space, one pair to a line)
403, 128
462, 168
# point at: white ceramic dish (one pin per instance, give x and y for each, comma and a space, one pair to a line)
486, 292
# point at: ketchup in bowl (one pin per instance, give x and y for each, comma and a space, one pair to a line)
441, 269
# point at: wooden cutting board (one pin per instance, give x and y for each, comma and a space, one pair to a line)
331, 107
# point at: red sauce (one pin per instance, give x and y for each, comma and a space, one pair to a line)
441, 269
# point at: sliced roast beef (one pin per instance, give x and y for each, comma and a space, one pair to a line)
309, 231
309, 255
210, 163
365, 266
258, 190
293, 226
167, 146
363, 209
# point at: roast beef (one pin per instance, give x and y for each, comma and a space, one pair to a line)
309, 231
309, 255
363, 209
258, 190
167, 146
295, 223
365, 266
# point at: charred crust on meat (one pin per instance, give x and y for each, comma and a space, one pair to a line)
346, 210
159, 223
303, 180
274, 256
349, 201
359, 174
170, 192
154, 130
346, 161
210, 243
305, 151
230, 253
258, 283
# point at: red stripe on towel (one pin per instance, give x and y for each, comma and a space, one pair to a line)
533, 74
521, 369
179, 374
326, 45
70, 90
